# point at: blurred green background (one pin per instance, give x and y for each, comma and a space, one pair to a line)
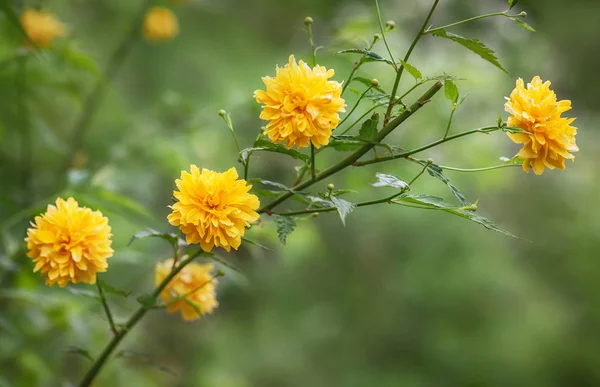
398, 297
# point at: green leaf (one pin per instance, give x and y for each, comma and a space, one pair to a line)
81, 352
387, 180
367, 82
472, 44
81, 60
6, 7
146, 360
285, 226
345, 144
368, 56
368, 130
83, 292
146, 300
436, 203
251, 242
267, 146
378, 97
514, 129
412, 70
172, 238
512, 3
112, 290
451, 91
522, 24
343, 207
436, 171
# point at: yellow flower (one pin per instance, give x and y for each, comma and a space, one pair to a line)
42, 28
192, 290
301, 104
551, 137
212, 208
69, 243
160, 24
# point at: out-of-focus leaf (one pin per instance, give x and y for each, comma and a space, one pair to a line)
108, 288
249, 241
80, 60
285, 226
172, 238
144, 359
6, 7
267, 146
412, 70
387, 180
343, 207
83, 292
146, 300
512, 3
378, 97
433, 202
472, 44
524, 25
368, 130
81, 352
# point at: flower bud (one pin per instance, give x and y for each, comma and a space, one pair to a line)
374, 82
376, 37
523, 14
330, 187
308, 20
390, 25
430, 161
222, 113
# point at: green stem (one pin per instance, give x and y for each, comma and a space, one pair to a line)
383, 34
313, 172
353, 158
109, 315
427, 164
361, 118
329, 209
92, 103
487, 129
312, 44
26, 166
478, 169
133, 320
450, 120
429, 31
246, 166
356, 105
406, 58
354, 68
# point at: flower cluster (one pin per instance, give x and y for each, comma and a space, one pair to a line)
301, 104
192, 291
550, 138
69, 243
42, 28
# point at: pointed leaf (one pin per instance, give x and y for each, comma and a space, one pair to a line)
368, 56
81, 352
112, 290
146, 360
267, 146
387, 180
436, 171
169, 237
368, 130
146, 300
451, 91
472, 44
512, 3
412, 70
285, 226
343, 207
522, 24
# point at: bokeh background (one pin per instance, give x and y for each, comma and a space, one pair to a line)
398, 297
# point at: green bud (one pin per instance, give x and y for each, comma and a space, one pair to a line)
308, 20
330, 187
376, 37
222, 113
523, 14
430, 161
374, 82
390, 25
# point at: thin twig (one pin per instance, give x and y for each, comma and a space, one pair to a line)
107, 311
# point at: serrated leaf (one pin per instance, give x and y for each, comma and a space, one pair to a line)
367, 82
146, 300
433, 202
451, 91
112, 290
387, 180
472, 44
81, 352
343, 207
285, 226
412, 70
524, 25
146, 360
512, 3
320, 202
267, 146
436, 171
169, 237
368, 56
368, 130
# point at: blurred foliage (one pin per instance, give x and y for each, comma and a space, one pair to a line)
398, 297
